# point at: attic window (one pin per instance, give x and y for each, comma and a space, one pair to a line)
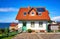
24, 13
32, 12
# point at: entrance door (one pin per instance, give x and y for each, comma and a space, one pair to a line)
24, 27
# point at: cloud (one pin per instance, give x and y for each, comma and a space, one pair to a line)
8, 21
0, 20
8, 9
57, 18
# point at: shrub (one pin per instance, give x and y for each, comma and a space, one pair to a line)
29, 30
58, 30
13, 29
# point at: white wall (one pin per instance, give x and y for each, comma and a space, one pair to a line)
20, 24
54, 27
28, 25
36, 25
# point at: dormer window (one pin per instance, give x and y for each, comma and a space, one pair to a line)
32, 14
24, 13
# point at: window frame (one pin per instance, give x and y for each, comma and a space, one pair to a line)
40, 24
32, 24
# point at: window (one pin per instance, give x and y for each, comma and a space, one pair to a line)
24, 13
40, 24
39, 13
24, 23
32, 24
32, 14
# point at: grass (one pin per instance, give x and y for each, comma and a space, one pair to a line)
0, 34
10, 37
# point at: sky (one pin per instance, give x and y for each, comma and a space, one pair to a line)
9, 8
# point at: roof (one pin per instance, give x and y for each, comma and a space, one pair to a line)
13, 24
53, 25
20, 16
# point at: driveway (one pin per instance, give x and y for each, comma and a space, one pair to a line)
36, 36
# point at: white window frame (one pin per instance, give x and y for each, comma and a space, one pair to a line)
39, 13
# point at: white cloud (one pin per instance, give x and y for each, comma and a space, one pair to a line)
7, 21
8, 9
0, 20
57, 18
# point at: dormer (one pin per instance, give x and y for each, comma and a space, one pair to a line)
32, 13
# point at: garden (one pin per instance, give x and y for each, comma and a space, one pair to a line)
6, 34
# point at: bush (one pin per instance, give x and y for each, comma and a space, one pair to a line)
58, 30
29, 30
13, 33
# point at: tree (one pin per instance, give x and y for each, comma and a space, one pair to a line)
50, 21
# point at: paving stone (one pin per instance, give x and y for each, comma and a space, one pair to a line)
36, 36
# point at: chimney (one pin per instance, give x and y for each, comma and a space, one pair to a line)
29, 7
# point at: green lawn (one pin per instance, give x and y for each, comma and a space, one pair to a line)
0, 34
8, 37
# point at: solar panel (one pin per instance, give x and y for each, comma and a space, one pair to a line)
40, 9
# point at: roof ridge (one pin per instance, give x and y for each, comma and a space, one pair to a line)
35, 7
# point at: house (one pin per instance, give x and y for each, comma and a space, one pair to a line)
54, 26
34, 18
13, 26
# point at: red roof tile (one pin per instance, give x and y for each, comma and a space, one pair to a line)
20, 15
13, 24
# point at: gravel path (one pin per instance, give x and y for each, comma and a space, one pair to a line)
36, 36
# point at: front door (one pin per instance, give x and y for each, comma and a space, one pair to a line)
24, 27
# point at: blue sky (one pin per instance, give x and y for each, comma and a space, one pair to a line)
9, 8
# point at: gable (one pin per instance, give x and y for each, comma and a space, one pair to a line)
32, 13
